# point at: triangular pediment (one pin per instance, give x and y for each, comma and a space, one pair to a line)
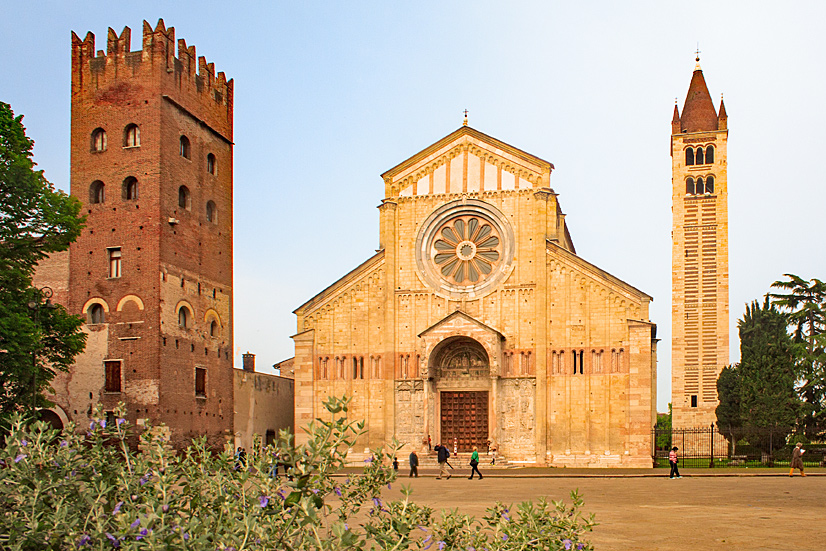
466, 161
457, 320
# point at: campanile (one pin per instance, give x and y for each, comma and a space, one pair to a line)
700, 275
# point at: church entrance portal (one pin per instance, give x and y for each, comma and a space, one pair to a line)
462, 371
465, 419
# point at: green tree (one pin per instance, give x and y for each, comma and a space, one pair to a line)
664, 429
766, 373
805, 303
36, 220
728, 410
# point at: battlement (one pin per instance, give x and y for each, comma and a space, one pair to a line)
92, 69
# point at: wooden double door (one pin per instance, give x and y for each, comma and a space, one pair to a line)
464, 419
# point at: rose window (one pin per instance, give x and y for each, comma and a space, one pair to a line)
466, 250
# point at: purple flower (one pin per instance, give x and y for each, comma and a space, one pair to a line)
165, 508
102, 423
428, 538
145, 478
85, 539
120, 421
422, 528
20, 458
567, 543
376, 503
263, 501
504, 537
142, 534
389, 487
63, 444
116, 510
92, 425
505, 516
186, 536
280, 493
113, 539
337, 490
368, 460
441, 545
24, 443
580, 546
315, 490
135, 523
346, 527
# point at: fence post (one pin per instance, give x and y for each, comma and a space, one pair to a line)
711, 460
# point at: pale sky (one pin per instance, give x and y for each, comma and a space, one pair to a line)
328, 95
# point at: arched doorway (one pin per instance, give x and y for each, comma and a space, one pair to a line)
52, 418
462, 370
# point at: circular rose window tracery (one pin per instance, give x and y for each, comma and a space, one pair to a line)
464, 248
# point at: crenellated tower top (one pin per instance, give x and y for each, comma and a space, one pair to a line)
199, 90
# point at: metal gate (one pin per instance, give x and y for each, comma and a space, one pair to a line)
464, 419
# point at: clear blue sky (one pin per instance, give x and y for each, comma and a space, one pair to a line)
331, 94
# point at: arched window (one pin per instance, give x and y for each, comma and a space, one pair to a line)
710, 154
689, 186
130, 188
698, 158
211, 163
99, 139
700, 187
184, 199
96, 314
185, 147
132, 136
710, 184
689, 156
97, 192
184, 317
214, 330
211, 212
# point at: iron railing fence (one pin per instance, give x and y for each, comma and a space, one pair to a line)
740, 447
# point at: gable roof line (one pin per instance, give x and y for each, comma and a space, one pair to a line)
466, 316
466, 130
614, 279
360, 269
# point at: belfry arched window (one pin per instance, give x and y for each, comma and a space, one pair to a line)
689, 186
689, 156
710, 185
709, 154
96, 314
97, 192
698, 157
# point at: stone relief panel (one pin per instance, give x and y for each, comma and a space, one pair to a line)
410, 412
516, 416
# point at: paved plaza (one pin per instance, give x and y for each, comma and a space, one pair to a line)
730, 509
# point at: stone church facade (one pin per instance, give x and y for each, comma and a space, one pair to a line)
477, 323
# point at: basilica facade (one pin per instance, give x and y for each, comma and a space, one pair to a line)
476, 324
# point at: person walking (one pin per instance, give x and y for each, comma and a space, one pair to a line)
673, 459
396, 464
442, 454
797, 459
414, 464
474, 464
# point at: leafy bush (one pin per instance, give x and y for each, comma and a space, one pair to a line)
88, 490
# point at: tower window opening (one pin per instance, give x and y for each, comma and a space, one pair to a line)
211, 163
185, 152
97, 192
184, 317
710, 155
96, 314
213, 329
200, 382
99, 139
184, 198
700, 186
113, 376
211, 212
130, 188
689, 186
689, 156
694, 400
132, 136
710, 185
114, 261
698, 158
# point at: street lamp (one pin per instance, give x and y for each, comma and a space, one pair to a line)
34, 305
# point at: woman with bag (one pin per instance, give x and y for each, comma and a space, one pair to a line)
474, 464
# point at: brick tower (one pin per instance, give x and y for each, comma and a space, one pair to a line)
700, 288
151, 161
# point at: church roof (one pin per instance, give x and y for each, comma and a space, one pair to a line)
698, 111
466, 131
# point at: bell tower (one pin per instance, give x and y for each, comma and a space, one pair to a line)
699, 252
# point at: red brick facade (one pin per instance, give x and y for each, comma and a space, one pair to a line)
174, 246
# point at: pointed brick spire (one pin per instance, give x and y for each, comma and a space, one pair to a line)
675, 120
722, 118
698, 112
